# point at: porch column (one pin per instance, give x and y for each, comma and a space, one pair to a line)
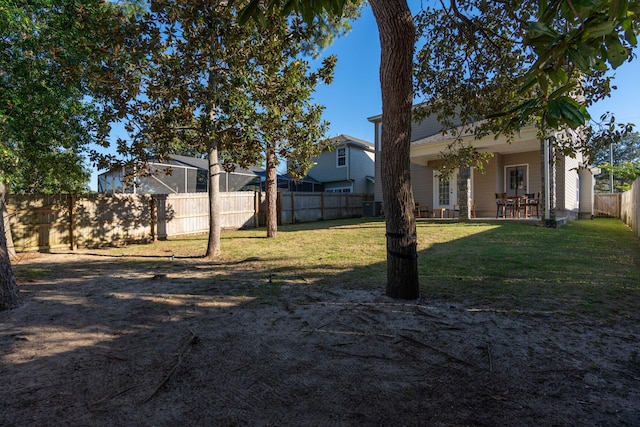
586, 176
464, 193
549, 181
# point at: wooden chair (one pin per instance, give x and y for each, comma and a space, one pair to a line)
502, 205
532, 201
421, 211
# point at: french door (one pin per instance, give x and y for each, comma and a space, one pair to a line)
516, 180
445, 194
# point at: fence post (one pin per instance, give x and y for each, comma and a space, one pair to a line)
71, 202
322, 206
152, 214
256, 209
293, 209
161, 212
279, 206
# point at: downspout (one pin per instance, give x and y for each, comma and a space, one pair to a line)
547, 187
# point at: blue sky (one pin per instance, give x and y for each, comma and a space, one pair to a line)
354, 94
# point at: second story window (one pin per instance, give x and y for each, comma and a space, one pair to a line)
342, 157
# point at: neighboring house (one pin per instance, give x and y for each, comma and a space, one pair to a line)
181, 174
347, 167
516, 168
287, 183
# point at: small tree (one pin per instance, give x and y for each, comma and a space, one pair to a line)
289, 126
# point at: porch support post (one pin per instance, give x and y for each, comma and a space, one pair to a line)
464, 193
549, 183
586, 179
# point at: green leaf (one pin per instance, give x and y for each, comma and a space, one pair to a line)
630, 36
594, 31
583, 56
572, 112
554, 109
559, 76
618, 9
543, 83
616, 53
540, 29
251, 10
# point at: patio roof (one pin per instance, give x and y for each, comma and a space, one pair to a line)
430, 148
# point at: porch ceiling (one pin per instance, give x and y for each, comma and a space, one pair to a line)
429, 149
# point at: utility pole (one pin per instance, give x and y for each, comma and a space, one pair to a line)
611, 170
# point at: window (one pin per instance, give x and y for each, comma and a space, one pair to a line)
338, 190
342, 157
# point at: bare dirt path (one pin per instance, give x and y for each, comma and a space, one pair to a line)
117, 342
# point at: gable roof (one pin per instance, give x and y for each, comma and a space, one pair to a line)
352, 141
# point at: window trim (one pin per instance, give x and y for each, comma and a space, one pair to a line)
343, 156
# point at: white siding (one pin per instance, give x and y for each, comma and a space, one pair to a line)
422, 184
567, 187
361, 166
325, 169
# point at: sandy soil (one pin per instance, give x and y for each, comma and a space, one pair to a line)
102, 341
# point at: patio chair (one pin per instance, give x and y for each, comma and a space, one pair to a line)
531, 201
502, 205
456, 210
421, 211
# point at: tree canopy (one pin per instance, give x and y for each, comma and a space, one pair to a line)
513, 64
618, 158
44, 119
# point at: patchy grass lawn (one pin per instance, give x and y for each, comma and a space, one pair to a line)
585, 266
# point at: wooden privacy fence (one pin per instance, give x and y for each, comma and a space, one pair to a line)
630, 207
606, 204
52, 221
306, 207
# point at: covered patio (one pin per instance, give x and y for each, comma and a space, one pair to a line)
512, 187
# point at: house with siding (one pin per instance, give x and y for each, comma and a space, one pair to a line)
346, 166
526, 165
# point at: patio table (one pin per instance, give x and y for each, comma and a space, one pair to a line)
517, 203
442, 212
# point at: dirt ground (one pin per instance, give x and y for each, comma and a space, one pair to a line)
102, 341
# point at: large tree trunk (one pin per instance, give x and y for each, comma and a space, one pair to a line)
397, 40
271, 189
9, 296
213, 244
